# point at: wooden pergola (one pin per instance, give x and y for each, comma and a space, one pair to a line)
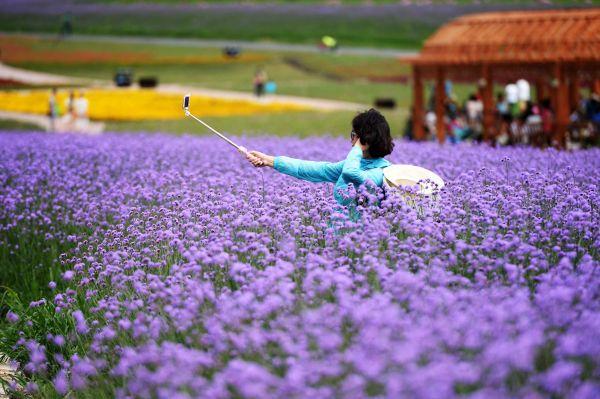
558, 51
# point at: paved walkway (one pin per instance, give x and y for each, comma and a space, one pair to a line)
60, 125
32, 119
35, 78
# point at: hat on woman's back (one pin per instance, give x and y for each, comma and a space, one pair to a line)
428, 182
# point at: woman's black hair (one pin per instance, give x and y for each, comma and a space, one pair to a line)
372, 129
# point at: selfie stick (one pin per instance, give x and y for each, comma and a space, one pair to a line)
186, 110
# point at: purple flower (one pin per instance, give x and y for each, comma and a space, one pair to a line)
61, 382
80, 322
68, 275
12, 317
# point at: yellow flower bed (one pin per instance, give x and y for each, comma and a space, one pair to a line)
136, 104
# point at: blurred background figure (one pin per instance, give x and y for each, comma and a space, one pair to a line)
474, 113
80, 108
430, 124
260, 79
68, 119
53, 110
503, 115
512, 98
547, 121
523, 93
66, 26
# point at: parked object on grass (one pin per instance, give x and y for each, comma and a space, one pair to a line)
148, 81
329, 43
385, 102
231, 51
123, 77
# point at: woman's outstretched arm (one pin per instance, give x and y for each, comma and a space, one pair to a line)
316, 172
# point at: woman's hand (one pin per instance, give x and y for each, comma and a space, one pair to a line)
258, 159
358, 144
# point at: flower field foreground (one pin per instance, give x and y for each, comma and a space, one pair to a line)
190, 274
137, 104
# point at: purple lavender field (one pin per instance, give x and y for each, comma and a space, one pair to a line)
187, 273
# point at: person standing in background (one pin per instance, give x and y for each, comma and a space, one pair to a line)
503, 115
69, 117
80, 107
524, 93
430, 124
53, 111
260, 78
547, 120
66, 26
474, 109
512, 97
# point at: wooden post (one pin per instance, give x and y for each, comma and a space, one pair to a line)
554, 94
561, 94
417, 115
574, 91
440, 97
541, 91
487, 93
596, 88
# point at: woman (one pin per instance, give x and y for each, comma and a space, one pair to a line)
371, 141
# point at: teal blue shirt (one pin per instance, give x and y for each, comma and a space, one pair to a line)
354, 170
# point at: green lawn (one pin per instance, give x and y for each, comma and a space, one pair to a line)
294, 123
330, 76
356, 24
289, 81
14, 125
386, 30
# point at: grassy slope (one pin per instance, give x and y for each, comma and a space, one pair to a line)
386, 31
358, 24
349, 83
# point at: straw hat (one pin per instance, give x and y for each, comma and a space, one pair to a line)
395, 176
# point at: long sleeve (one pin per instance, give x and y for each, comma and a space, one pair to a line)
351, 171
316, 172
